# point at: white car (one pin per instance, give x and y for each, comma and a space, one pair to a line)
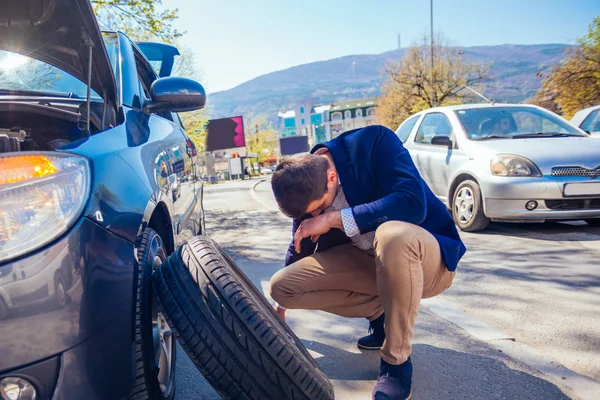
266, 171
505, 162
588, 120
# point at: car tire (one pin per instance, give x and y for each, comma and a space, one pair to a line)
467, 207
593, 222
231, 332
155, 347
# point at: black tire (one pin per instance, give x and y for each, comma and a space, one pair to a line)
231, 332
593, 222
468, 211
151, 381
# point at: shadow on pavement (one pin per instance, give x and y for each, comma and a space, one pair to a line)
440, 374
577, 231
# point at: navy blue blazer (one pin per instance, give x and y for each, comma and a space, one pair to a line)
381, 183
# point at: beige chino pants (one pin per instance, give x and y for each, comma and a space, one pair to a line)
405, 267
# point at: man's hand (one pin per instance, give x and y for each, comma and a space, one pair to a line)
317, 226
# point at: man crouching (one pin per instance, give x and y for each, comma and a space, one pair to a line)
370, 240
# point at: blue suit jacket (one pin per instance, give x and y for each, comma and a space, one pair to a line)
381, 183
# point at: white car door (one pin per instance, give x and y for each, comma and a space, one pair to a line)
431, 150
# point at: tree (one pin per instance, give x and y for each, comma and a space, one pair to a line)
413, 85
575, 83
261, 138
139, 19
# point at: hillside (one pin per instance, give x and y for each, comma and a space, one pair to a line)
513, 79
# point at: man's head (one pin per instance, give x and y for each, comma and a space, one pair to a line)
304, 184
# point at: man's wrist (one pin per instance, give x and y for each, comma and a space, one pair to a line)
335, 220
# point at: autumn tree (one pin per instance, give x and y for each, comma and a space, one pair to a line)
261, 137
575, 83
138, 19
415, 83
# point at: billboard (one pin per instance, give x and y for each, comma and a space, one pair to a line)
225, 133
293, 145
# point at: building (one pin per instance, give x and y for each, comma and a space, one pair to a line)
351, 114
306, 120
322, 123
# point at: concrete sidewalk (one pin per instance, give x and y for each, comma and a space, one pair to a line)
448, 362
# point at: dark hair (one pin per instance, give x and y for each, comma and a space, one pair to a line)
299, 180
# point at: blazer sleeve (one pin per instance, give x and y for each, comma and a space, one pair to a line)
307, 246
396, 174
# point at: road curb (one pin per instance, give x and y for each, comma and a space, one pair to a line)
581, 386
262, 203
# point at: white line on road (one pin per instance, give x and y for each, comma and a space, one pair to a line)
264, 205
583, 387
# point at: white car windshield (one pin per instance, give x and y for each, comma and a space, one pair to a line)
512, 122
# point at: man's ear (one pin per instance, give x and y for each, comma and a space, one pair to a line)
331, 177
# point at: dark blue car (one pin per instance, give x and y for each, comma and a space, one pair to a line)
98, 186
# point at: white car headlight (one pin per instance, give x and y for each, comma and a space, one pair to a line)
41, 196
512, 165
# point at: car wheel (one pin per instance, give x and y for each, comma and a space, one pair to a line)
467, 207
154, 344
231, 332
593, 222
60, 291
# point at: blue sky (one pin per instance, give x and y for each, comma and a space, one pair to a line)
237, 40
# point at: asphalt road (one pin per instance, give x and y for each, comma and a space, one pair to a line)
537, 282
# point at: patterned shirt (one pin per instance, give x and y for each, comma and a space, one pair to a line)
364, 241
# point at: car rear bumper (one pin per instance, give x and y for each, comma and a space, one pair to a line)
91, 336
506, 199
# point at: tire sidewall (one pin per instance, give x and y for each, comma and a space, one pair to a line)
478, 221
154, 246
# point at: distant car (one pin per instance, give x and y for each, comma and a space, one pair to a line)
266, 171
514, 163
588, 120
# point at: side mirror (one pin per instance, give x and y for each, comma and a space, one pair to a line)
441, 140
175, 94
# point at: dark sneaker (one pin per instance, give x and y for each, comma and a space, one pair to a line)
394, 382
376, 336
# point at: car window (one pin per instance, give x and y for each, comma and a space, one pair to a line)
434, 124
406, 128
588, 122
147, 76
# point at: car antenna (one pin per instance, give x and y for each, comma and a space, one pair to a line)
478, 94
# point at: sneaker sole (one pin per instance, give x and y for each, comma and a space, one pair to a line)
360, 346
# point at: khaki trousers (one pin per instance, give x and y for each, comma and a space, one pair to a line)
405, 266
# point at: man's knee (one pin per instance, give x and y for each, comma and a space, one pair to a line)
278, 289
286, 284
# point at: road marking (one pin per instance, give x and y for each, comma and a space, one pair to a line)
262, 203
583, 387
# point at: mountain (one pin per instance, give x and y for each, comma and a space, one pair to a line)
513, 79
